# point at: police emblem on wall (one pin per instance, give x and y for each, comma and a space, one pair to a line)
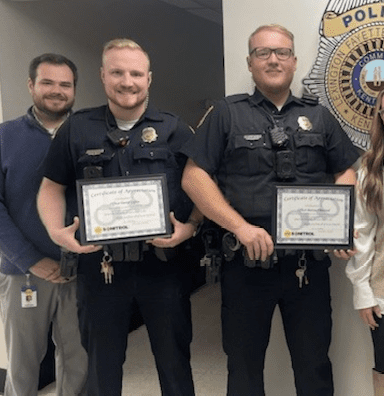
349, 70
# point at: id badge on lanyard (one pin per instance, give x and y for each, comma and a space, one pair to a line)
28, 294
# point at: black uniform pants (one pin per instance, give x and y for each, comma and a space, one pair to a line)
249, 298
162, 294
378, 344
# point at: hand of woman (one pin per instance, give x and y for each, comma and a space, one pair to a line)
366, 315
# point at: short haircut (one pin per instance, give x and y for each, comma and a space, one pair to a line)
274, 27
124, 43
52, 59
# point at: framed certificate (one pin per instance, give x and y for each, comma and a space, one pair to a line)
313, 216
114, 210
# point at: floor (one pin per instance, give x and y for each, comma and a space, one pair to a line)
208, 358
351, 350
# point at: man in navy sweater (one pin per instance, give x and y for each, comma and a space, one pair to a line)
33, 293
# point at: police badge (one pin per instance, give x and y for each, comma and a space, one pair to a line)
304, 123
149, 135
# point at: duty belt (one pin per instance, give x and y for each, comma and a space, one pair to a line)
272, 261
232, 247
134, 251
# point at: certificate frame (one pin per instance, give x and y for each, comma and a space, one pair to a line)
313, 217
124, 209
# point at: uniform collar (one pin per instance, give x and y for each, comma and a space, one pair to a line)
151, 114
258, 99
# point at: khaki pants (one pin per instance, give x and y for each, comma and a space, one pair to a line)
26, 331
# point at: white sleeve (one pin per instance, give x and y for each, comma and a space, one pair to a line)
359, 267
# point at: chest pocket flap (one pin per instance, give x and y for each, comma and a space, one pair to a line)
309, 139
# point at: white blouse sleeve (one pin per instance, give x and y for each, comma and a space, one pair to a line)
359, 267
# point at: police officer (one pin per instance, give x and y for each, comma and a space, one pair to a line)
247, 143
127, 137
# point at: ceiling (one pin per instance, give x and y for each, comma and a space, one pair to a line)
207, 9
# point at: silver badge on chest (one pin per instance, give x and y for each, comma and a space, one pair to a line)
149, 135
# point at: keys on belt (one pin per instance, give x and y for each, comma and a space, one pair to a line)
107, 267
301, 271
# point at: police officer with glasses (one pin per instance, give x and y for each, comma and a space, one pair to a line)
246, 144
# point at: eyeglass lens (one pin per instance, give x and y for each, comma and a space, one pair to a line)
265, 53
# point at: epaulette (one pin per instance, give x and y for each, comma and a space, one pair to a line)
309, 98
237, 98
85, 110
168, 113
96, 112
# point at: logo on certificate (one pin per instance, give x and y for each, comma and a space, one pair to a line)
349, 69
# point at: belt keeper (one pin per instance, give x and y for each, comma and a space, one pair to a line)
269, 263
133, 251
117, 250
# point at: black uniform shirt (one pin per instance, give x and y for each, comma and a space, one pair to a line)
234, 145
83, 141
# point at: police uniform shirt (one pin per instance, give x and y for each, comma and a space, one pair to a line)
152, 146
233, 144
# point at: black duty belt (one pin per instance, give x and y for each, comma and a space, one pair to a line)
135, 251
272, 261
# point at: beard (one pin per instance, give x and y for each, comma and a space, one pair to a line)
133, 107
54, 112
129, 105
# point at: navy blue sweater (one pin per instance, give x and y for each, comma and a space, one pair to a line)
23, 239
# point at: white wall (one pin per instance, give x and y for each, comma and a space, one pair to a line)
351, 351
301, 17
21, 39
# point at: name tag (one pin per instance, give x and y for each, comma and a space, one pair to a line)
253, 137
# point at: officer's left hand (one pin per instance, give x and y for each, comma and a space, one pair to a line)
182, 232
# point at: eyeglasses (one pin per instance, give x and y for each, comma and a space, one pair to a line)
381, 112
265, 53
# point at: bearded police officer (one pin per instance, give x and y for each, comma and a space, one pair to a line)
246, 144
127, 137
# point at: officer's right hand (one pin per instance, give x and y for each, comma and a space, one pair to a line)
65, 237
258, 242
